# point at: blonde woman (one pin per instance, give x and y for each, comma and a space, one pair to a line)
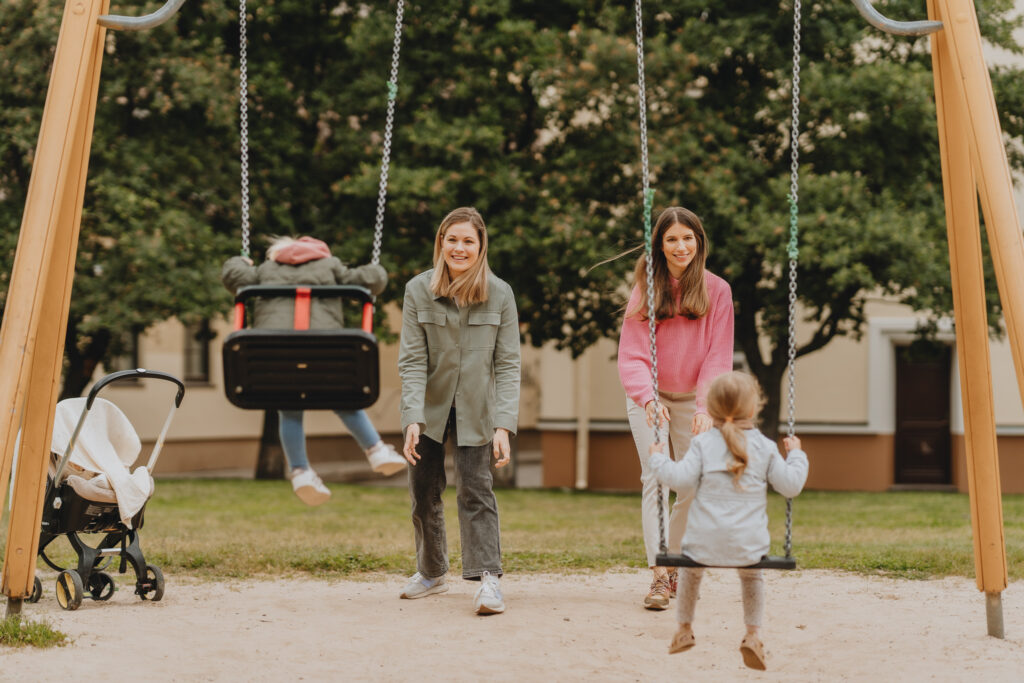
459, 365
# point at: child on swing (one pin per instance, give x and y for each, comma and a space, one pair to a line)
727, 469
308, 261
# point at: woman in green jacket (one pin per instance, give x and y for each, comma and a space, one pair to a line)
459, 364
308, 261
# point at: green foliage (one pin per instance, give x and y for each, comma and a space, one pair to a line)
528, 111
18, 632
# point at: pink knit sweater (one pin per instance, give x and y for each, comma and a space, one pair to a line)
691, 353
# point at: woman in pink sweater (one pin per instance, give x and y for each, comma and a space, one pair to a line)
694, 314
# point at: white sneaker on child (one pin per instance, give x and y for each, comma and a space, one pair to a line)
309, 488
488, 598
385, 460
420, 586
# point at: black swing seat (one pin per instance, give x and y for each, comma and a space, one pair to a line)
767, 562
302, 369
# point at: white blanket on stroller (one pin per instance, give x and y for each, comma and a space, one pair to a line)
106, 447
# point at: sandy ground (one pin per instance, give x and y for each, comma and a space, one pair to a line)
821, 626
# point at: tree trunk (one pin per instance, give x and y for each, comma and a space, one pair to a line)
775, 386
270, 461
769, 376
773, 403
81, 363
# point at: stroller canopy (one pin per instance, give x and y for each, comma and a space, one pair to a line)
106, 447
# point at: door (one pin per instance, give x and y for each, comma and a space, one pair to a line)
922, 414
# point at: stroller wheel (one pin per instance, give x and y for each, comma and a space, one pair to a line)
37, 590
101, 586
152, 587
69, 589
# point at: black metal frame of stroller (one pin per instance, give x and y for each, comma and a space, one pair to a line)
66, 513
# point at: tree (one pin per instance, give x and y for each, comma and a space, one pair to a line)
158, 204
528, 111
871, 214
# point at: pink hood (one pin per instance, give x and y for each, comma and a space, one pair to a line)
302, 250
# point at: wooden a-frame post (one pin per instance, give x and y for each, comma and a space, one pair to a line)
35, 319
39, 296
974, 164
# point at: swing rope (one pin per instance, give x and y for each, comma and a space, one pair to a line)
243, 106
792, 250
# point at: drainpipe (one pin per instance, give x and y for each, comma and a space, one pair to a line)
582, 420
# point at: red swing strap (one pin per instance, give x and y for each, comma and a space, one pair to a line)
302, 297
368, 317
239, 315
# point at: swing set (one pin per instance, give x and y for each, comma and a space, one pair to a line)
265, 365
303, 369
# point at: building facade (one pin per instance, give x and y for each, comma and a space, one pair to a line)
874, 414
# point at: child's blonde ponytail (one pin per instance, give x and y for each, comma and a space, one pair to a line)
736, 440
733, 400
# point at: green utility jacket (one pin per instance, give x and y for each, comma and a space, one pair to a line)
464, 357
278, 313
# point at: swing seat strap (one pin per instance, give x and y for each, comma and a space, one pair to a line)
302, 297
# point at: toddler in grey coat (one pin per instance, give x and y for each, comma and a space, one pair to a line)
308, 261
727, 470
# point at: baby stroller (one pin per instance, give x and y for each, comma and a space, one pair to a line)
90, 490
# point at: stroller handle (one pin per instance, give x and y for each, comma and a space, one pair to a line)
137, 373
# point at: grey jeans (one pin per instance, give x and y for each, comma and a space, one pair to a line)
478, 508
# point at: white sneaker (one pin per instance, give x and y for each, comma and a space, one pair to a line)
420, 586
488, 598
309, 488
385, 459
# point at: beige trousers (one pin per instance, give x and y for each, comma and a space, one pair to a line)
681, 408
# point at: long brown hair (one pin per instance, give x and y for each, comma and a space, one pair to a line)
471, 286
732, 399
693, 300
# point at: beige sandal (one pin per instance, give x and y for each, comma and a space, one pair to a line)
752, 650
681, 642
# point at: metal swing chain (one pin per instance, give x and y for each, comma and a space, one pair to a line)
792, 248
243, 118
648, 194
243, 106
385, 162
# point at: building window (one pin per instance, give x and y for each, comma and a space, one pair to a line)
197, 351
124, 351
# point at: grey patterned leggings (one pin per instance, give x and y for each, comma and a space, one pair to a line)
752, 583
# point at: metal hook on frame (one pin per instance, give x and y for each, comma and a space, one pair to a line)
142, 23
899, 28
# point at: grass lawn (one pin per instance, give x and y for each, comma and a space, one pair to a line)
235, 528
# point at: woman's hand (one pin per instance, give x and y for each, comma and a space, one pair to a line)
651, 407
502, 451
412, 438
701, 423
